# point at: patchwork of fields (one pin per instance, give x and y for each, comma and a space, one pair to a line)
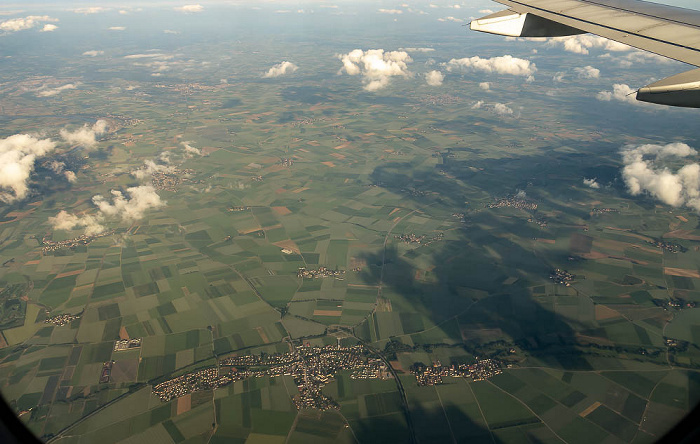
389, 194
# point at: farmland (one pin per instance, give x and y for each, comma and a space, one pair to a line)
309, 211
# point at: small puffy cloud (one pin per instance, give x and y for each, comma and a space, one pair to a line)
20, 24
581, 44
190, 8
131, 206
190, 150
591, 183
434, 78
18, 154
280, 69
49, 28
417, 49
56, 166
45, 91
559, 77
375, 66
485, 11
85, 136
154, 55
127, 207
90, 10
390, 11
486, 86
93, 53
117, 28
647, 170
155, 61
636, 57
587, 72
451, 19
620, 92
69, 222
150, 167
70, 176
502, 109
501, 65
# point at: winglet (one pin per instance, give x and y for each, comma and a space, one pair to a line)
679, 90
514, 24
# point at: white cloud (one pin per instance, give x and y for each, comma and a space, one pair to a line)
450, 19
434, 78
280, 69
131, 206
116, 28
502, 109
486, 86
190, 150
417, 49
150, 167
49, 28
375, 66
390, 11
190, 8
559, 77
154, 55
591, 183
587, 72
170, 31
68, 222
485, 11
18, 154
45, 91
91, 10
645, 171
70, 176
93, 53
56, 166
502, 65
127, 208
581, 44
85, 136
20, 24
637, 57
155, 61
620, 92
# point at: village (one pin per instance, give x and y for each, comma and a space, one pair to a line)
433, 374
321, 272
62, 319
312, 367
413, 238
560, 276
514, 201
83, 239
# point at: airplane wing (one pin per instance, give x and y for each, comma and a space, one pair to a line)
665, 30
